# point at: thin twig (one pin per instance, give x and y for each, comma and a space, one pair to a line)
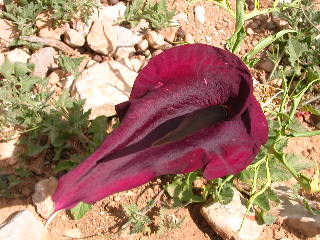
52, 43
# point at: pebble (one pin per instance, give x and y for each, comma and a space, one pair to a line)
155, 39
43, 190
43, 60
56, 76
250, 31
8, 152
23, 225
143, 45
73, 38
112, 13
199, 14
169, 33
189, 38
18, 55
226, 220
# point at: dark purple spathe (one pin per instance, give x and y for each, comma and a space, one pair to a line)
191, 107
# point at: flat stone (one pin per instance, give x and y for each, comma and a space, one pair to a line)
8, 32
105, 85
199, 14
74, 38
43, 190
294, 213
226, 220
155, 39
8, 152
22, 226
43, 60
18, 55
133, 64
102, 37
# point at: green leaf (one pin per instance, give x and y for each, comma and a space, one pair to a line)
22, 172
66, 165
312, 109
234, 42
98, 129
70, 65
21, 69
7, 69
262, 201
295, 50
264, 43
80, 210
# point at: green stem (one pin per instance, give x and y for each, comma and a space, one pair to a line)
227, 179
255, 13
305, 134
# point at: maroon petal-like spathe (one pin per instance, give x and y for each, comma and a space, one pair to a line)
191, 107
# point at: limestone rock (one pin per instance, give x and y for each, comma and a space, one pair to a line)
8, 32
73, 38
226, 220
295, 213
43, 191
126, 39
22, 226
56, 76
199, 14
133, 64
112, 13
169, 33
45, 25
7, 152
155, 39
143, 45
18, 55
102, 37
43, 60
105, 85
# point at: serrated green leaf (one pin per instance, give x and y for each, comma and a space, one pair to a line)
7, 69
262, 201
295, 50
66, 165
21, 69
80, 210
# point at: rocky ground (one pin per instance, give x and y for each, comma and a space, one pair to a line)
113, 56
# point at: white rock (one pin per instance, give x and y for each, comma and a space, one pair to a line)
199, 14
226, 220
82, 27
143, 45
18, 55
22, 226
295, 214
155, 39
43, 60
181, 18
56, 76
104, 85
112, 13
102, 37
73, 38
169, 33
126, 39
189, 38
8, 31
8, 150
141, 26
73, 233
250, 31
133, 64
43, 191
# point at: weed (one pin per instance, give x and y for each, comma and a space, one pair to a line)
156, 13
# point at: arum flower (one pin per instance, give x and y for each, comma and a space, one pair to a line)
191, 108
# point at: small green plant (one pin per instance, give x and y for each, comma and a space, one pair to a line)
156, 13
24, 13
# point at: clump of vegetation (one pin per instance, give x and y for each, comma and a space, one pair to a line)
24, 13
156, 13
